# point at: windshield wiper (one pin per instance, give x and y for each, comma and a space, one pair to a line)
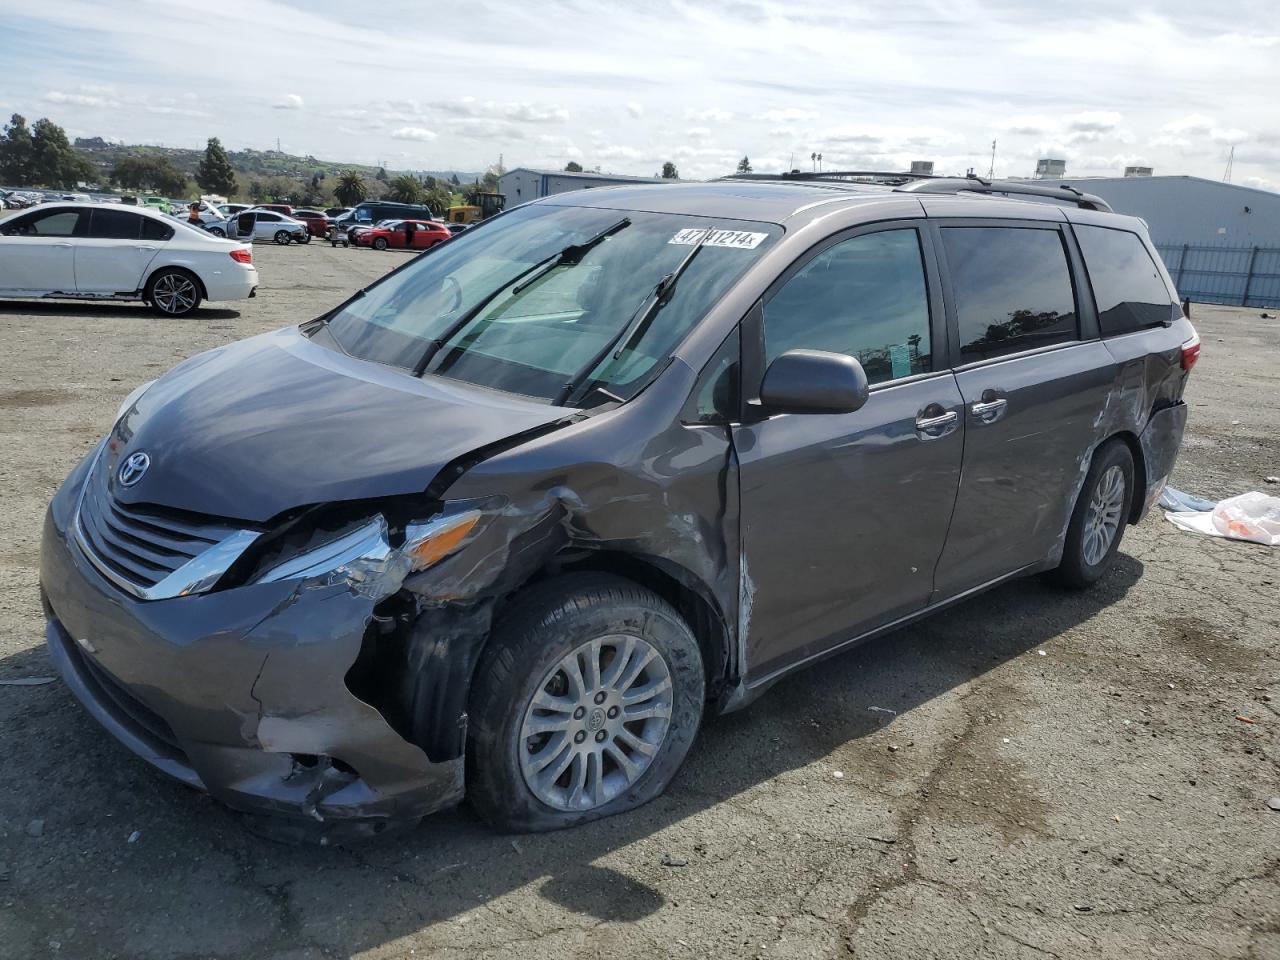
631, 334
570, 256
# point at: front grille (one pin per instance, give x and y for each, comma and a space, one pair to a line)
139, 547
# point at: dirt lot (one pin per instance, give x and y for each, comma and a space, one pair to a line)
1031, 774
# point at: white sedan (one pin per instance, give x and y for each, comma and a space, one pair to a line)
105, 251
255, 224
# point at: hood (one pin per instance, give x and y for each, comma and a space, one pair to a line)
254, 428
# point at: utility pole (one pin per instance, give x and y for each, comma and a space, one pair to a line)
991, 174
1231, 158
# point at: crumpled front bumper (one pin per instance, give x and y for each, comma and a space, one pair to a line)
241, 693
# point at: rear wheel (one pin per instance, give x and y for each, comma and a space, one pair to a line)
586, 702
173, 293
379, 243
1098, 520
282, 237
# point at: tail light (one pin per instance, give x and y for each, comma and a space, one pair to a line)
1191, 352
246, 256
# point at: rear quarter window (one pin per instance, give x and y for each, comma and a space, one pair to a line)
1127, 286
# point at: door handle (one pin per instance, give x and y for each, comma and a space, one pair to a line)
146, 249
935, 426
988, 410
63, 246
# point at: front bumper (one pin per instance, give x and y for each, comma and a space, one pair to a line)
241, 693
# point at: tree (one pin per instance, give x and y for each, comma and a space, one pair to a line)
573, 167
669, 171
455, 181
53, 160
437, 200
149, 173
381, 174
257, 192
215, 173
351, 188
744, 165
15, 153
404, 189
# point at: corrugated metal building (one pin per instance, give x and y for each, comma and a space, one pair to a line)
522, 184
1220, 241
1191, 209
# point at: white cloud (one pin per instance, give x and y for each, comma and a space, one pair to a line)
290, 101
635, 109
413, 133
80, 99
710, 115
788, 115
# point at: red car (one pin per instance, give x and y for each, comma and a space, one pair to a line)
421, 233
317, 223
276, 208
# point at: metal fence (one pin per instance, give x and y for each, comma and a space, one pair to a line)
1218, 273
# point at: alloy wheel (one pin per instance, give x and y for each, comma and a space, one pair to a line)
596, 722
174, 293
1103, 519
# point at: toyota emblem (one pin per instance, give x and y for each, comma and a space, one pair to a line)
133, 469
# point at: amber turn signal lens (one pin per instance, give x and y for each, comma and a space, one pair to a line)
442, 541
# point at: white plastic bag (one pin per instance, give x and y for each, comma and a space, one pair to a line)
1250, 516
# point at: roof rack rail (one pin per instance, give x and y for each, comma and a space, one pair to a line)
886, 177
1013, 188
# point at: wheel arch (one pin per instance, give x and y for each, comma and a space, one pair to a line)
1130, 440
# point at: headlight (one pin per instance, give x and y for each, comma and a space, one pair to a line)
365, 559
132, 398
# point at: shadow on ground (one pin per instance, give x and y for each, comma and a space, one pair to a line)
195, 866
108, 310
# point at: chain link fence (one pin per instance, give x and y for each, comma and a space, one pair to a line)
1221, 273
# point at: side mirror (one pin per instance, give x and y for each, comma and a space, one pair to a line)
814, 381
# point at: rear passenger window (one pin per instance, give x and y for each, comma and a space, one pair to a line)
1127, 285
864, 297
1012, 288
114, 225
155, 230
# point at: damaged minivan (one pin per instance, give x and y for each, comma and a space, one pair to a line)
510, 520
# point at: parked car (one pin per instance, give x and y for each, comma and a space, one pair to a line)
510, 519
159, 204
317, 223
283, 208
106, 251
332, 212
456, 228
259, 224
355, 231
404, 234
231, 209
372, 211
76, 198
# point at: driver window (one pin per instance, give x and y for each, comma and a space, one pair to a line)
865, 297
52, 223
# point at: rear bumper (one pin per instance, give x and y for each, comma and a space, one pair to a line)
241, 693
231, 285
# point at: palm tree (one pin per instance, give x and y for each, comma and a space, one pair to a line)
351, 188
405, 189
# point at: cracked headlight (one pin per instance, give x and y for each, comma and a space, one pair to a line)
365, 559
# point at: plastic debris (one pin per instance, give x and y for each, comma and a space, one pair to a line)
892, 713
27, 681
1274, 804
1243, 719
838, 774
670, 861
1251, 516
133, 837
1177, 500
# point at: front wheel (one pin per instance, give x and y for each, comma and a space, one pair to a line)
282, 237
173, 293
380, 243
217, 231
586, 703
302, 238
1098, 520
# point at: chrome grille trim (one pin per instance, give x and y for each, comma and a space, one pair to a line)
150, 556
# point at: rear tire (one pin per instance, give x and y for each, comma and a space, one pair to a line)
282, 237
1099, 518
173, 292
617, 738
379, 243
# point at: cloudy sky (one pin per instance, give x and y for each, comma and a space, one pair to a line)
625, 86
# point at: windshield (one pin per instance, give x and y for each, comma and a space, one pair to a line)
480, 312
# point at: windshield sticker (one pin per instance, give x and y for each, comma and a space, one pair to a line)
739, 239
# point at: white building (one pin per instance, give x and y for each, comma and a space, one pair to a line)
522, 184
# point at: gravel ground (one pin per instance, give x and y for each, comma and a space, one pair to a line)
1031, 774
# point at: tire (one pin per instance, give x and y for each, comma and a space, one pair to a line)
282, 237
555, 622
302, 238
217, 231
173, 292
1101, 511
379, 243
